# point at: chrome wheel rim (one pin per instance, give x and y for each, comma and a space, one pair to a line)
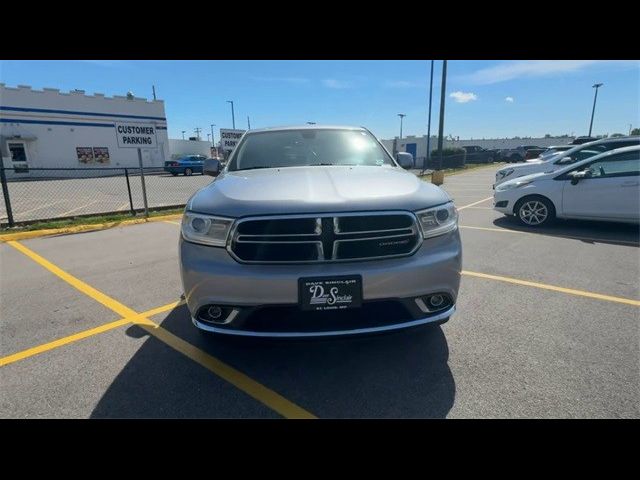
533, 212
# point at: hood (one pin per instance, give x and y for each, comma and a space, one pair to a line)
315, 189
520, 166
525, 178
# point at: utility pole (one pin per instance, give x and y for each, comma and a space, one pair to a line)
593, 111
248, 123
183, 134
153, 87
443, 90
630, 128
197, 130
233, 114
429, 122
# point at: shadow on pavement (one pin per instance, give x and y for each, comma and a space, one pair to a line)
398, 375
585, 231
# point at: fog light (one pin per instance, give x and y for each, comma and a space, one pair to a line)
436, 300
215, 312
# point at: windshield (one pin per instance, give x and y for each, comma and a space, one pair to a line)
308, 147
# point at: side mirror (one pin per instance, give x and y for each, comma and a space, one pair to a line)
211, 167
576, 176
405, 160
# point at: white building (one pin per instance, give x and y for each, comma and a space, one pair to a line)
53, 129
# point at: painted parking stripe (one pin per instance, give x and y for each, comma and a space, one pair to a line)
571, 237
264, 395
545, 286
475, 203
45, 347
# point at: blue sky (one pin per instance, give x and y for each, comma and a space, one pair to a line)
484, 98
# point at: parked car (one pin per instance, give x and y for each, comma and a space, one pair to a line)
516, 154
533, 153
581, 140
604, 187
554, 162
477, 154
554, 150
318, 231
186, 165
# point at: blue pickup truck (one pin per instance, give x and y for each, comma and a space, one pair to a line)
187, 165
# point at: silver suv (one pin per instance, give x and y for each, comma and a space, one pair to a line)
318, 231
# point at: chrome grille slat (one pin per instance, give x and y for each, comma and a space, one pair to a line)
371, 244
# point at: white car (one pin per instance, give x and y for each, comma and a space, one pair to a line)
604, 187
562, 159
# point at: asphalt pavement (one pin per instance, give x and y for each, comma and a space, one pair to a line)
546, 327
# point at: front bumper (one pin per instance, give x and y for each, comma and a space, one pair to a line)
211, 277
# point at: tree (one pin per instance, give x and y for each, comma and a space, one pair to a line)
614, 135
635, 131
547, 135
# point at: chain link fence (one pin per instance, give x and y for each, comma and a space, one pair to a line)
57, 193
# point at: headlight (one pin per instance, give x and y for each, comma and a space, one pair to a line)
504, 173
206, 229
512, 184
438, 220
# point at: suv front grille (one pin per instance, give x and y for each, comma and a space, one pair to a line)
320, 238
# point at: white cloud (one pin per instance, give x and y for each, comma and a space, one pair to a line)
508, 99
463, 97
536, 68
333, 83
402, 84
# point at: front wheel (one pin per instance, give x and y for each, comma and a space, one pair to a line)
535, 211
188, 172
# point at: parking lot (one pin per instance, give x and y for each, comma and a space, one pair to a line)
547, 325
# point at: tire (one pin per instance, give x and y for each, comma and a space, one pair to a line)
188, 172
535, 211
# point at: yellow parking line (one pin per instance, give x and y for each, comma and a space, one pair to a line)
475, 203
30, 352
238, 379
45, 347
544, 286
571, 237
78, 284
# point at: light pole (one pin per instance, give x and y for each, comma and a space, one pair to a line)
213, 141
443, 89
595, 97
248, 123
183, 134
429, 122
208, 137
401, 115
233, 114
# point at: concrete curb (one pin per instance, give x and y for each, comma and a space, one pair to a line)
83, 228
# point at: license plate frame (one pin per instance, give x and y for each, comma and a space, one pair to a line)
319, 294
